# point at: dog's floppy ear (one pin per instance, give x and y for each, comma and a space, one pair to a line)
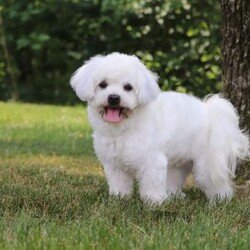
148, 88
82, 81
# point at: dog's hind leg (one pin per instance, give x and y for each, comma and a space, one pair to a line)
220, 149
216, 187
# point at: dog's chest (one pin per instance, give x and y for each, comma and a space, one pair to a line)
120, 151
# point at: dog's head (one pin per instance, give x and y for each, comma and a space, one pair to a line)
115, 85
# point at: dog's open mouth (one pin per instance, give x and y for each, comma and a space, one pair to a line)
114, 114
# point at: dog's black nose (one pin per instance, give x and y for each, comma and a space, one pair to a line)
114, 100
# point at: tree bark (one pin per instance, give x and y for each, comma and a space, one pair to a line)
236, 60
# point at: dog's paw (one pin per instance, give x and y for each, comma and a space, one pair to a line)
155, 199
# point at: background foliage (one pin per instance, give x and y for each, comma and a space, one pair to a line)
48, 39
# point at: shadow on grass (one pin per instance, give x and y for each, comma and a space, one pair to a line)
55, 194
58, 195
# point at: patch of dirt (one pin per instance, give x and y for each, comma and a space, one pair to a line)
243, 188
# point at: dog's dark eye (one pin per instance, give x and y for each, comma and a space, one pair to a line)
103, 85
128, 87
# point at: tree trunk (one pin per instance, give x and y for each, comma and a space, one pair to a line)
236, 60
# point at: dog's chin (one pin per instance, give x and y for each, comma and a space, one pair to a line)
115, 114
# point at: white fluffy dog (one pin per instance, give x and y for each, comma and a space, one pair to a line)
156, 137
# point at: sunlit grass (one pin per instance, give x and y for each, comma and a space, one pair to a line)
33, 129
53, 194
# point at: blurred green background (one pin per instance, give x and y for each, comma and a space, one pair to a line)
48, 40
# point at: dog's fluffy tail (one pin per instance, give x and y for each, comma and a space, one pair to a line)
227, 143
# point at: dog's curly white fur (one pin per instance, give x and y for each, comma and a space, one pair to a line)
156, 137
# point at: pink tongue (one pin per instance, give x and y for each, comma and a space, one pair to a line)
112, 115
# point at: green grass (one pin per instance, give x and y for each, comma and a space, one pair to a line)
53, 194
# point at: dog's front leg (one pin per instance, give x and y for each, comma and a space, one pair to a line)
120, 182
153, 179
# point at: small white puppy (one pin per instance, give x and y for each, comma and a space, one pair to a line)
156, 137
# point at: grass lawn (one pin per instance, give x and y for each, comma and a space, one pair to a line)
53, 194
